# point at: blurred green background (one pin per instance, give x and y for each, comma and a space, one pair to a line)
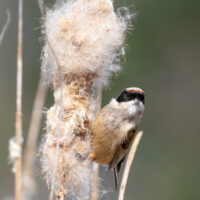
163, 58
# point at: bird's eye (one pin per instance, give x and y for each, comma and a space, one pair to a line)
135, 95
140, 97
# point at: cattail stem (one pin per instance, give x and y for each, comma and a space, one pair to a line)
129, 161
18, 125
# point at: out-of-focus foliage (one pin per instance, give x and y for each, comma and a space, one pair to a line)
163, 59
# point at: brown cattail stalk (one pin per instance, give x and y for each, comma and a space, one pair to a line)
18, 125
129, 161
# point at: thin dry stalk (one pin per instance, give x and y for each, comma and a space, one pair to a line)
5, 27
33, 133
18, 125
129, 161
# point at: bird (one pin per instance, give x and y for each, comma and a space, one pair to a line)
115, 127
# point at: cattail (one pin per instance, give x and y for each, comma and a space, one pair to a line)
86, 37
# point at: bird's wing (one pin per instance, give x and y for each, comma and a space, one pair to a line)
117, 157
115, 163
120, 154
121, 150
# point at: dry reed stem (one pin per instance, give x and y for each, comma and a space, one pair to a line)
5, 27
129, 161
18, 125
33, 133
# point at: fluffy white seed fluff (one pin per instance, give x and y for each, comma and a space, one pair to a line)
85, 36
14, 152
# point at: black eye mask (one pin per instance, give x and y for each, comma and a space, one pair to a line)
129, 96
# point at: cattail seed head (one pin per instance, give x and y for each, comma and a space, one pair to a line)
86, 37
